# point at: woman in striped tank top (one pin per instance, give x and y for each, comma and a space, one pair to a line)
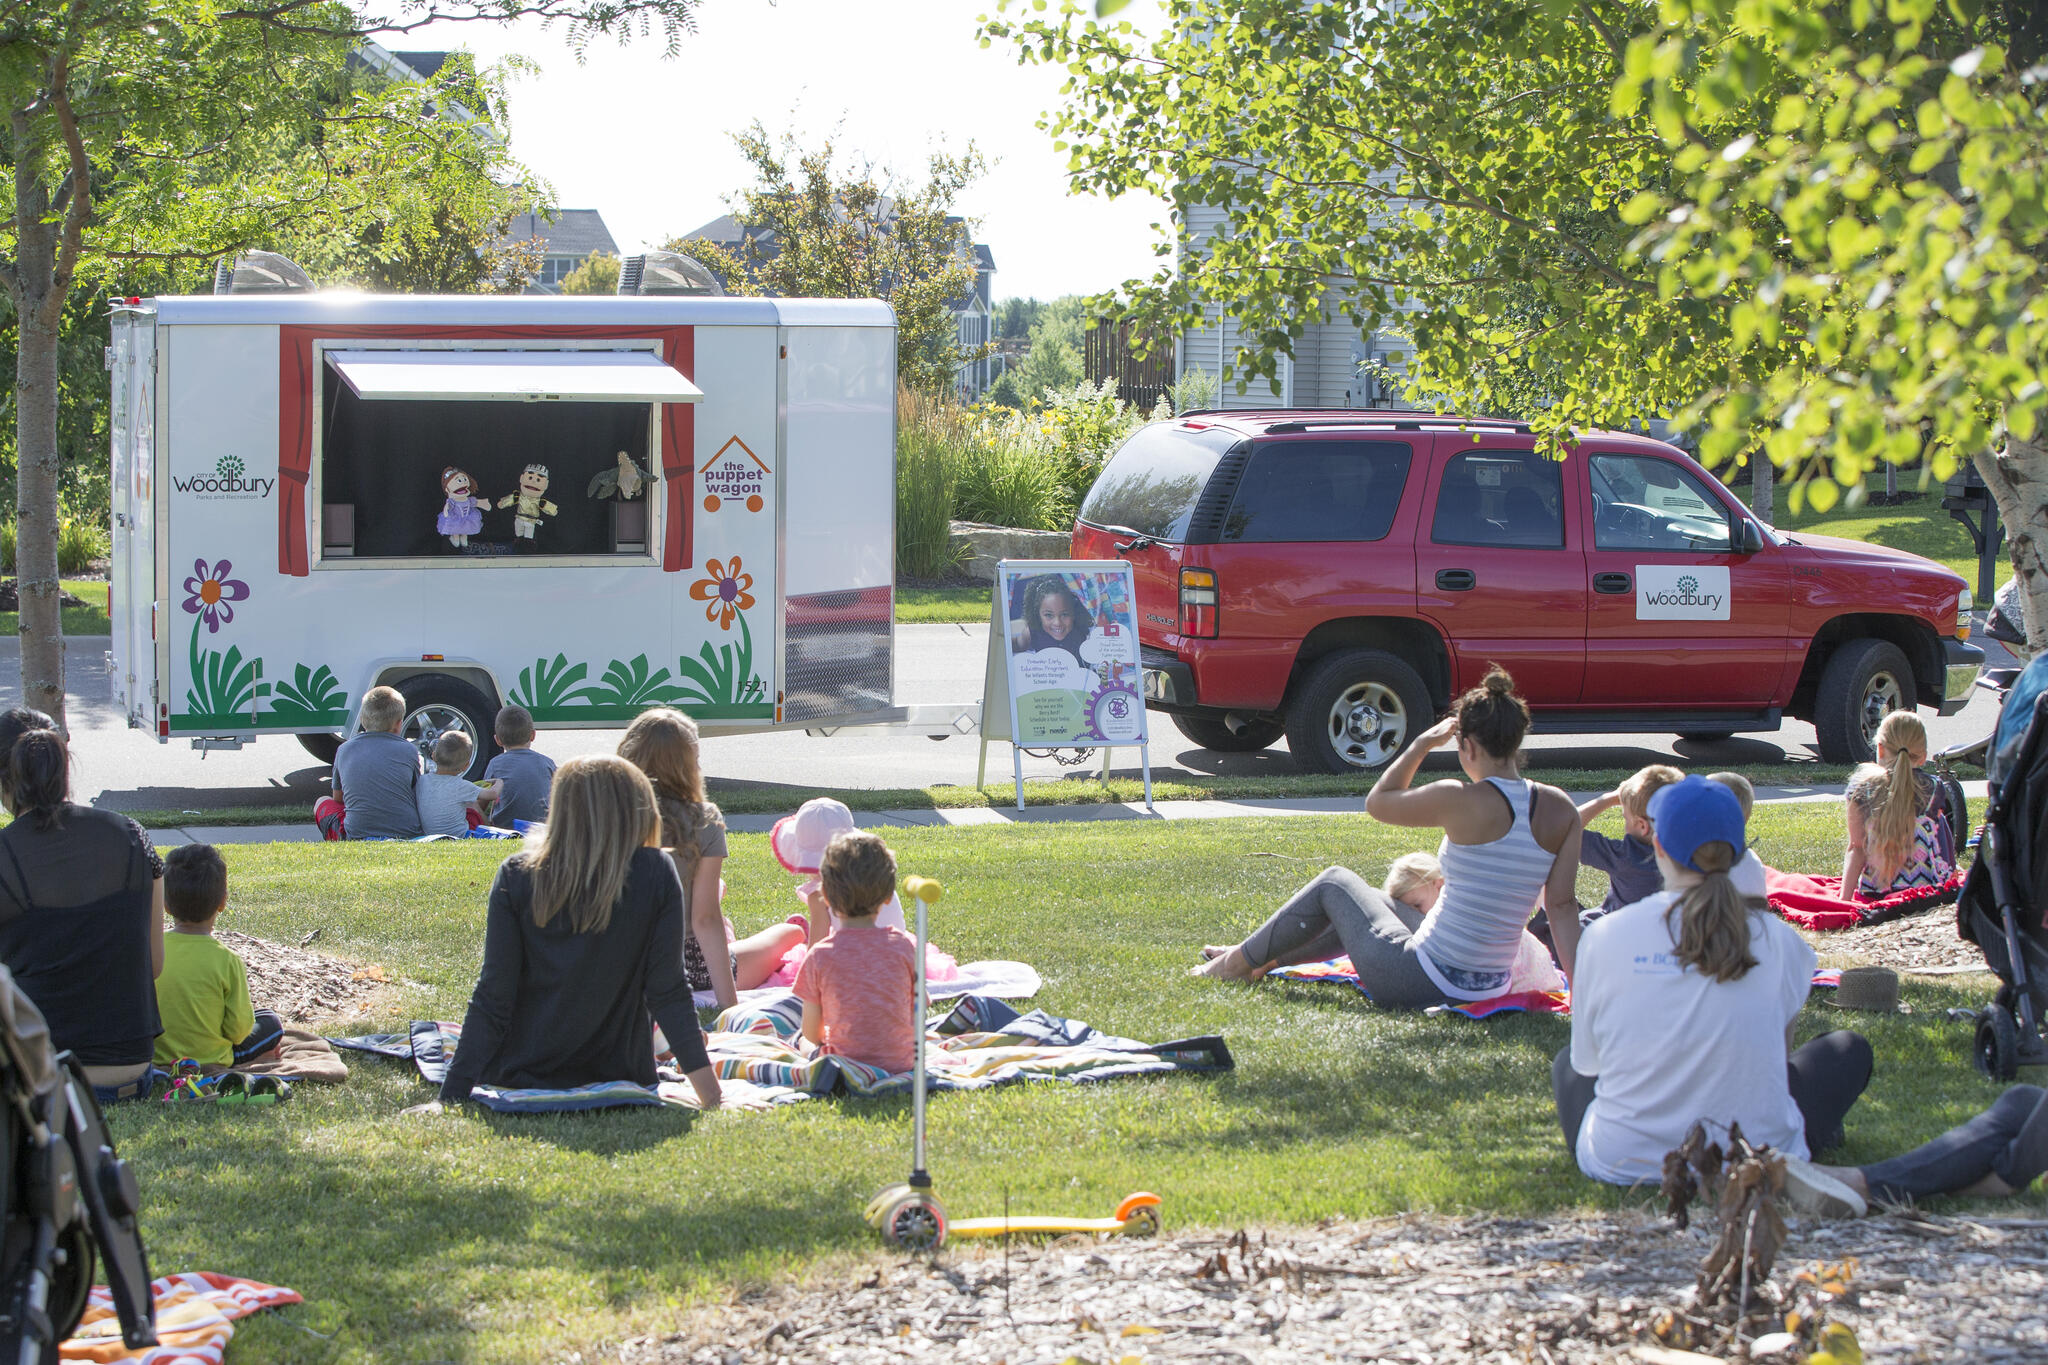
1508, 846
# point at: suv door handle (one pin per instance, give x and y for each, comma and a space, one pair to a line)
1611, 582
1456, 580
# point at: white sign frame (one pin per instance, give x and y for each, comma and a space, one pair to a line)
1001, 684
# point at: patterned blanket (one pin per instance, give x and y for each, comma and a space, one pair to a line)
982, 1042
1338, 970
195, 1318
1817, 902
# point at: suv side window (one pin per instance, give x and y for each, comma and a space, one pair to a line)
1644, 503
1318, 490
1500, 497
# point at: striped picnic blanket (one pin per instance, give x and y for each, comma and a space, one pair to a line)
1338, 969
195, 1315
981, 1042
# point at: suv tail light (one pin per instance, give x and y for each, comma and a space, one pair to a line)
1198, 604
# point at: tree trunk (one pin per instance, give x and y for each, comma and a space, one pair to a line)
38, 308
1763, 489
2018, 479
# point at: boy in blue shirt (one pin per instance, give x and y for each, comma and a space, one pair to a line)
376, 775
1629, 862
523, 776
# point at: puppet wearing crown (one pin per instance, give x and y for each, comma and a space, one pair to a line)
530, 503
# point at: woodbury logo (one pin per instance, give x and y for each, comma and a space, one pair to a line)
735, 474
228, 480
1668, 592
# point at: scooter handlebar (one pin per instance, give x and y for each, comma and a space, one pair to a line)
923, 888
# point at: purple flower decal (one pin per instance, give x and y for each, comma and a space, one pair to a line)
211, 593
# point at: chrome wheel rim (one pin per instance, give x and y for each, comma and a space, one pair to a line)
1882, 695
425, 724
1368, 725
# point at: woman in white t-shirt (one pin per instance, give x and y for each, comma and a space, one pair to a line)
1682, 1012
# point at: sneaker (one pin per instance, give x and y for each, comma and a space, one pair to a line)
1812, 1191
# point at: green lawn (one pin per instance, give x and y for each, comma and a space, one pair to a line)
485, 1239
946, 606
90, 619
1917, 525
1088, 790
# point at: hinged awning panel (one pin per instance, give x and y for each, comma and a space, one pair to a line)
514, 376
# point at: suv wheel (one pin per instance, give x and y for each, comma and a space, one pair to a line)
1211, 733
1354, 711
1864, 682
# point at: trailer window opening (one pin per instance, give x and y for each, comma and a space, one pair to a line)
381, 466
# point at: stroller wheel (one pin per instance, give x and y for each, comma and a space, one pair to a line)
1998, 1043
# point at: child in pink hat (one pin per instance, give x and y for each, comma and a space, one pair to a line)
798, 842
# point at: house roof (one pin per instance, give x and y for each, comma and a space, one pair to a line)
571, 232
425, 64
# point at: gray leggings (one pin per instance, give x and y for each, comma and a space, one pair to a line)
1340, 912
2008, 1140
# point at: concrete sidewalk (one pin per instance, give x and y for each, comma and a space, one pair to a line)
1000, 815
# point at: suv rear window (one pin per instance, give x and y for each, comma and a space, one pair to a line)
1152, 483
1318, 490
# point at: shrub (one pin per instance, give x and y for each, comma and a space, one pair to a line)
1195, 391
929, 432
1000, 479
7, 548
79, 543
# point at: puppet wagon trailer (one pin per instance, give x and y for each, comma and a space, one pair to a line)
585, 507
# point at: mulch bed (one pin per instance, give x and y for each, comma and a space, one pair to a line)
303, 986
1412, 1289
10, 597
1924, 942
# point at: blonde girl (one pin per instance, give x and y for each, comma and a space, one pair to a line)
583, 951
662, 743
1416, 880
1898, 840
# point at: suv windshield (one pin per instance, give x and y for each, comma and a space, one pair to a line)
1151, 485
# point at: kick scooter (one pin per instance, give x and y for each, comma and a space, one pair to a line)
910, 1216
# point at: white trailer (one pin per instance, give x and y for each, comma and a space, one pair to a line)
280, 543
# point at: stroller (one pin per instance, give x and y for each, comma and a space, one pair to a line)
2003, 908
63, 1193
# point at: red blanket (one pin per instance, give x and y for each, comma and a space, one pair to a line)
1818, 903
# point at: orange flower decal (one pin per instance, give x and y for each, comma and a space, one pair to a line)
726, 593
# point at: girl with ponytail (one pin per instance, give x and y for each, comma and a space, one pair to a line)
1682, 1012
1899, 839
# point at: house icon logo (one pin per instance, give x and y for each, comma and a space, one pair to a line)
735, 474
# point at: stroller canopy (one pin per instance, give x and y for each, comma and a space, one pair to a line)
2014, 719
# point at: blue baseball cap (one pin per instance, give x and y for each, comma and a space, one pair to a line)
1693, 812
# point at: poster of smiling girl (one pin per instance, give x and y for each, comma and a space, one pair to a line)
1063, 659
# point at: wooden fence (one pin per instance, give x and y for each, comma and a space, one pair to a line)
1108, 351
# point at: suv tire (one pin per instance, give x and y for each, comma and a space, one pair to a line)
1354, 711
1212, 734
1864, 681
436, 702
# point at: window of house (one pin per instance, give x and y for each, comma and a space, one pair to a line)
394, 422
1318, 490
1498, 497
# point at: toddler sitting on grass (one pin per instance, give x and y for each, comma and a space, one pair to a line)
1629, 862
450, 803
1415, 880
203, 993
859, 985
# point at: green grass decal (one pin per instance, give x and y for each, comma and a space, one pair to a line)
726, 675
631, 685
225, 687
548, 686
312, 697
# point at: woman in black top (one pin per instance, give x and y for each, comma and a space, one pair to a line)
81, 910
583, 941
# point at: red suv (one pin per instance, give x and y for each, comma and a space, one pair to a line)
1338, 577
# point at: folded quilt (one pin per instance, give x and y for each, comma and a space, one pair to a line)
195, 1318
302, 1055
1818, 903
982, 1042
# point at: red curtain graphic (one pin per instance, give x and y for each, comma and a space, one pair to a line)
297, 376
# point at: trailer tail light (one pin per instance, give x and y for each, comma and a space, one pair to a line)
433, 658
1198, 605
163, 721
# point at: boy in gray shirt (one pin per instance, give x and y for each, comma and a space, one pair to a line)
376, 775
523, 776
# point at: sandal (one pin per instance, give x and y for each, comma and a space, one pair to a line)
269, 1090
231, 1087
190, 1089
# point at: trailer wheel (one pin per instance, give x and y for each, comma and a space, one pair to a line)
322, 747
435, 704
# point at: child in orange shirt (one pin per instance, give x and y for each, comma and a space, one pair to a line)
859, 986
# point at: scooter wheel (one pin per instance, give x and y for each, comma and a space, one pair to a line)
1143, 1222
915, 1223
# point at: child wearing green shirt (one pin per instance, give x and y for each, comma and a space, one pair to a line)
203, 992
